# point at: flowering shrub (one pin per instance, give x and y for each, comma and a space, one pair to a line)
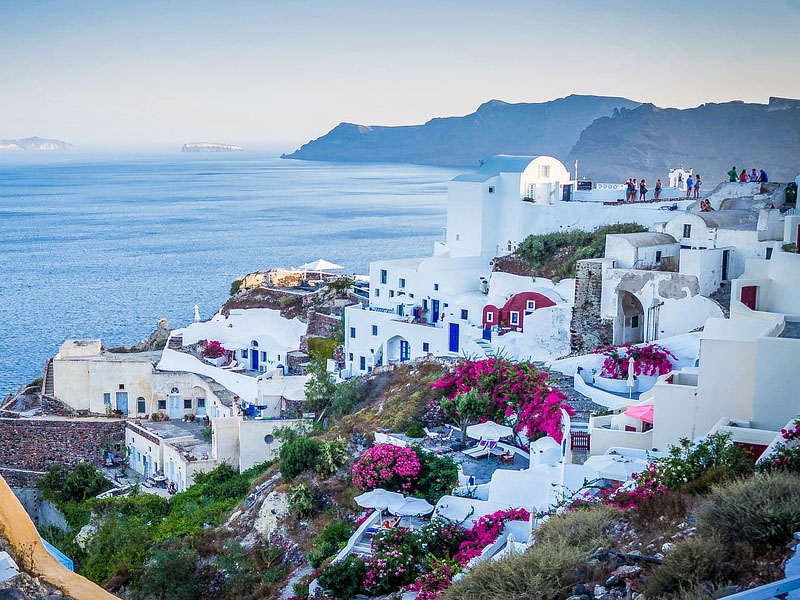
786, 456
384, 465
516, 392
648, 359
435, 581
389, 570
486, 530
213, 349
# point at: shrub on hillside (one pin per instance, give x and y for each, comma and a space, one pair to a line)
346, 396
332, 456
694, 561
236, 285
344, 579
329, 542
437, 476
170, 574
61, 484
758, 511
578, 527
416, 431
297, 455
386, 466
301, 500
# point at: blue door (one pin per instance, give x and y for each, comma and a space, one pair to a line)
453, 337
405, 351
122, 402
434, 311
254, 360
487, 334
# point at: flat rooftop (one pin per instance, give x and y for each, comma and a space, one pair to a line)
175, 430
791, 330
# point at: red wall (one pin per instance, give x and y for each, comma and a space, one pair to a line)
517, 303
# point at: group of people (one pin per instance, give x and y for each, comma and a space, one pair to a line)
744, 177
693, 184
632, 189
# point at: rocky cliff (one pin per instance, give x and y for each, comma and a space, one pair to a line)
496, 127
210, 147
646, 141
35, 143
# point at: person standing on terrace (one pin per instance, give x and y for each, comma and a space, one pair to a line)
642, 191
657, 189
732, 175
743, 178
753, 176
689, 186
697, 183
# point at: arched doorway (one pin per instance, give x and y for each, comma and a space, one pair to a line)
175, 404
630, 320
397, 349
254, 355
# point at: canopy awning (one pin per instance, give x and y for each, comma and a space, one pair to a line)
378, 498
411, 507
320, 265
643, 412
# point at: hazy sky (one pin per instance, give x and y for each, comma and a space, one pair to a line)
275, 74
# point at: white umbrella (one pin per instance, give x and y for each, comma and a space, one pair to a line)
411, 507
488, 431
378, 498
614, 467
631, 378
320, 265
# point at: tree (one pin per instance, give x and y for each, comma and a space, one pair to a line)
319, 388
465, 409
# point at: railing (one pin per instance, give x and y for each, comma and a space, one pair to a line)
771, 590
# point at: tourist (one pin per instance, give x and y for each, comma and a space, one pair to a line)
642, 191
634, 187
763, 177
732, 175
628, 190
689, 185
753, 176
705, 205
743, 178
657, 189
697, 183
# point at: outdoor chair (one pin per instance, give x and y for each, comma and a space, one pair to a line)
479, 451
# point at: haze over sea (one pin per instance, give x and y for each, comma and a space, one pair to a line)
104, 248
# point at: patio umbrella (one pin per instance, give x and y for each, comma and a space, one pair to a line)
320, 265
643, 412
488, 431
378, 498
411, 507
614, 467
631, 377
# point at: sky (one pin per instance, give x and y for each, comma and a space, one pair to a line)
272, 75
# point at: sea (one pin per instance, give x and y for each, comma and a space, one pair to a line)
104, 247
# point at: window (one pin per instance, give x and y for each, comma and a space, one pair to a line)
106, 398
544, 171
530, 305
201, 403
687, 230
658, 256
384, 276
187, 403
263, 357
391, 293
352, 332
458, 237
122, 386
531, 191
509, 245
141, 405
424, 304
374, 330
174, 391
464, 314
377, 292
162, 405
244, 353
402, 283
490, 317
635, 321
350, 357
514, 317
362, 361
491, 189
769, 253
435, 287
426, 347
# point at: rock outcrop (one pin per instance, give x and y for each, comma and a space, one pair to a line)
34, 144
210, 147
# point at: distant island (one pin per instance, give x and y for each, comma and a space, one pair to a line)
611, 138
35, 144
210, 147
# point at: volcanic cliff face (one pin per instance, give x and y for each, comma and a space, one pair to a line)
647, 141
496, 127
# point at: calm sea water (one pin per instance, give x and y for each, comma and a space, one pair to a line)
104, 248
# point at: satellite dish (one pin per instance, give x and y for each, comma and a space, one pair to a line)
268, 438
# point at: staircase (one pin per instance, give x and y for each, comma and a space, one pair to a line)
485, 346
48, 381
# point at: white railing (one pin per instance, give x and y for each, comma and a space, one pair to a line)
359, 533
771, 590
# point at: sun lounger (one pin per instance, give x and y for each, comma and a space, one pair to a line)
479, 451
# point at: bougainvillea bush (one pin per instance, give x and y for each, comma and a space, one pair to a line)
648, 359
213, 349
517, 393
786, 456
386, 466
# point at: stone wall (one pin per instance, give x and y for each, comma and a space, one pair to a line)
587, 330
322, 325
35, 444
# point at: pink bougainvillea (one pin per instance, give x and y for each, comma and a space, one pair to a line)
486, 530
518, 393
387, 466
786, 455
648, 359
213, 349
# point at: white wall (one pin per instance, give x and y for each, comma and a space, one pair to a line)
705, 265
81, 382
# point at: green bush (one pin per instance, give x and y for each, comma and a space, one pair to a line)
320, 349
236, 285
297, 455
343, 579
437, 477
329, 542
170, 574
319, 387
694, 561
416, 431
63, 485
758, 511
301, 500
332, 456
346, 396
578, 528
